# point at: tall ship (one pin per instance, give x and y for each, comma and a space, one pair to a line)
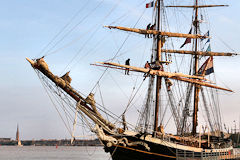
180, 85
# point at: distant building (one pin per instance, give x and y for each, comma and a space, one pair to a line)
5, 139
17, 137
17, 134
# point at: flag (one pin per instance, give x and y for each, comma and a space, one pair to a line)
208, 48
188, 40
208, 41
207, 67
202, 19
149, 5
206, 35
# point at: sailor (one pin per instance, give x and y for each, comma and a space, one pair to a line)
124, 123
127, 62
160, 131
147, 66
157, 65
148, 27
169, 84
152, 28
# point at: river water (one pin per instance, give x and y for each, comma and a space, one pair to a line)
52, 153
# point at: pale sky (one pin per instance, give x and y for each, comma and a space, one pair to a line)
28, 26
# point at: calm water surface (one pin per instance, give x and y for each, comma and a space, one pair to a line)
52, 153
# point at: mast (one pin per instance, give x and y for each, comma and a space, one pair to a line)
196, 87
158, 58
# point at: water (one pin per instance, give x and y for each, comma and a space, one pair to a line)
52, 153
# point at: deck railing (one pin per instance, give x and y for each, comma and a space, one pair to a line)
189, 155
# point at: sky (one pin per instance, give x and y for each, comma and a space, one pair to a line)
27, 27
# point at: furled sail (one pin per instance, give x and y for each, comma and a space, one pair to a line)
199, 53
155, 32
177, 76
154, 72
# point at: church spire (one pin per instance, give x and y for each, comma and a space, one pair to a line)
17, 133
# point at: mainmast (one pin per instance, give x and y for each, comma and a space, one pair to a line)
158, 59
196, 54
158, 35
196, 60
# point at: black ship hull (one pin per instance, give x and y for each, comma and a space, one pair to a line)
161, 151
129, 153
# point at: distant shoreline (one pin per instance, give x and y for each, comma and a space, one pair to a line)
51, 142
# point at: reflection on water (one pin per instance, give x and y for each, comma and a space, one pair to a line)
52, 153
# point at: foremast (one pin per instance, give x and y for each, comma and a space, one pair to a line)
158, 58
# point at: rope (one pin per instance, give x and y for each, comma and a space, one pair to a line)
54, 104
74, 27
117, 52
131, 99
86, 42
87, 53
74, 16
102, 101
66, 112
92, 35
127, 13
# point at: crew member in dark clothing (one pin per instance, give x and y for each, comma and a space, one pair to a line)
152, 28
127, 62
148, 27
169, 84
157, 65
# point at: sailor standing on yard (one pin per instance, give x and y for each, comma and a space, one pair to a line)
147, 66
127, 62
148, 27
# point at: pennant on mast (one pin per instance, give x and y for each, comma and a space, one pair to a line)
209, 48
149, 5
188, 40
207, 67
206, 34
